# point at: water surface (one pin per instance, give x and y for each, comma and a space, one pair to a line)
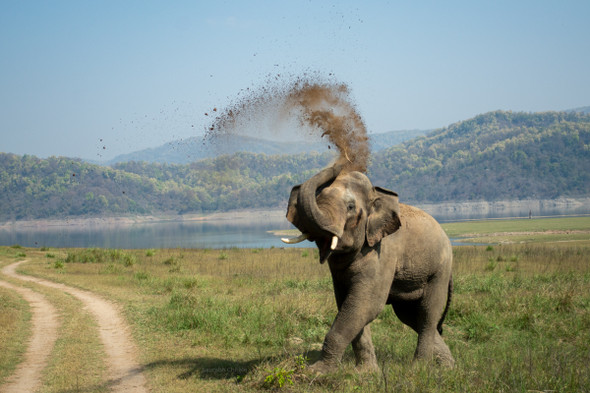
256, 232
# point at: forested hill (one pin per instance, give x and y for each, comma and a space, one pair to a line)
498, 155
61, 187
494, 156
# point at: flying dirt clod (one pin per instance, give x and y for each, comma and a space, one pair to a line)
325, 108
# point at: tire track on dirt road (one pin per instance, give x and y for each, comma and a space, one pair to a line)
44, 324
125, 373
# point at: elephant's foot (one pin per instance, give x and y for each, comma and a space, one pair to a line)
366, 361
368, 367
438, 352
444, 358
445, 361
322, 367
442, 353
441, 359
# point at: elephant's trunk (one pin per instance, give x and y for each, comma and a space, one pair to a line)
321, 223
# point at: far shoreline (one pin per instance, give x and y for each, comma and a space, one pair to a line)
128, 220
485, 210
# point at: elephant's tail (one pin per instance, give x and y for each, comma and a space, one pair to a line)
449, 296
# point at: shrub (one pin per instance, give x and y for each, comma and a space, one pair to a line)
141, 276
129, 260
97, 255
491, 265
278, 378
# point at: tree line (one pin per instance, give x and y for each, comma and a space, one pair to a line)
31, 187
494, 156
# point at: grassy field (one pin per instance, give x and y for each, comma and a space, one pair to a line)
520, 230
241, 320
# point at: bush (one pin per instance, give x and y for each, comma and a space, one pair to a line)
278, 378
97, 255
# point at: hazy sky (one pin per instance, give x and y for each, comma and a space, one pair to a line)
94, 79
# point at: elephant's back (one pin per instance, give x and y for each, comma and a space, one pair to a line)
411, 215
422, 234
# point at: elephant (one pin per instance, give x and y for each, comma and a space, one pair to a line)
379, 252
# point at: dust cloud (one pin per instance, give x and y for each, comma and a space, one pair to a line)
318, 109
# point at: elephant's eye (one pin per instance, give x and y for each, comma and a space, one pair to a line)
350, 207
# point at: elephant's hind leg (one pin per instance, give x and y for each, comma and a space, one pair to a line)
430, 310
423, 315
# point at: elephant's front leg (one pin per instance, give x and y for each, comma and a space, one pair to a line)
350, 326
364, 351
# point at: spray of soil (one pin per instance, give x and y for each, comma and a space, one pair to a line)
320, 108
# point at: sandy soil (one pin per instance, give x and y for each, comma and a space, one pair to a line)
125, 374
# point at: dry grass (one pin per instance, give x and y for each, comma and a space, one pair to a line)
77, 361
14, 330
243, 320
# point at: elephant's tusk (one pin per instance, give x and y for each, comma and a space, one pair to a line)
334, 243
295, 240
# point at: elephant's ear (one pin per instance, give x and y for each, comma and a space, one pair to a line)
292, 207
383, 215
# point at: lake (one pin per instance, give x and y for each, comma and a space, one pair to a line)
254, 232
166, 234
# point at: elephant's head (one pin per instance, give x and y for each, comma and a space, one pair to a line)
342, 211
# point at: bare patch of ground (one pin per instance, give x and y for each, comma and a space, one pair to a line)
124, 371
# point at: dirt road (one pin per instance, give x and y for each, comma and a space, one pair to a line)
125, 373
45, 322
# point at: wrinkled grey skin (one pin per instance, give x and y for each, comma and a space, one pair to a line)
387, 253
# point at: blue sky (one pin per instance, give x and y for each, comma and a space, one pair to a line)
94, 79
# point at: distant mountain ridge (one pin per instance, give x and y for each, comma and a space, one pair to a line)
196, 148
583, 109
